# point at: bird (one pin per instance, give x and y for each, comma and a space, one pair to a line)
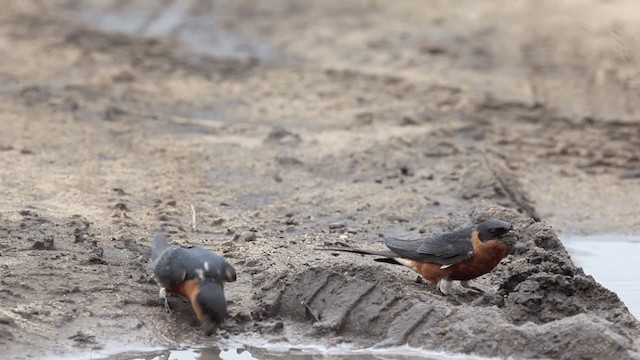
461, 255
195, 273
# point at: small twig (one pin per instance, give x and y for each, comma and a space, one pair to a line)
194, 224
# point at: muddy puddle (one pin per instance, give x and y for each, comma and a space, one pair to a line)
285, 351
612, 260
608, 258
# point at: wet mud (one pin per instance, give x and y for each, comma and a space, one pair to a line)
529, 306
264, 130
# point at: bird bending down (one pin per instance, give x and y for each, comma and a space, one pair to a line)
195, 273
461, 255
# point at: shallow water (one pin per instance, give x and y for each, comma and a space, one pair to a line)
250, 347
613, 261
288, 351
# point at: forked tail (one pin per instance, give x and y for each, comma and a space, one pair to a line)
160, 244
387, 256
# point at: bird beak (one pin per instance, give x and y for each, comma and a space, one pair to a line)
511, 239
208, 326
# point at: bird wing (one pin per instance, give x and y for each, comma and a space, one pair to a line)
445, 249
176, 263
169, 268
212, 266
407, 249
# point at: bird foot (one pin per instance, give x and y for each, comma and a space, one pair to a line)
163, 296
466, 285
454, 299
167, 307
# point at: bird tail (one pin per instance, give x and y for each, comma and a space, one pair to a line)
387, 255
160, 244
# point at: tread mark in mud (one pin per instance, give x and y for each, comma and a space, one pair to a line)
337, 319
406, 324
349, 309
319, 289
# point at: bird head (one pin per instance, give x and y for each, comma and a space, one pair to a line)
494, 230
213, 304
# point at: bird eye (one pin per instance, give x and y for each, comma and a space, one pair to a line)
493, 232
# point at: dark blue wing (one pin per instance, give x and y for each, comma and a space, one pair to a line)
168, 269
212, 266
178, 263
445, 249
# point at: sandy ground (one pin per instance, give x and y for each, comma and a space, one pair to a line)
287, 125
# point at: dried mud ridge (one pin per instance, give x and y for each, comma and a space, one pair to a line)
536, 304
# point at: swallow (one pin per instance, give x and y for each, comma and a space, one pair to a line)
462, 255
195, 273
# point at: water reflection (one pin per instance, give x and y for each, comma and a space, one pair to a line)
287, 352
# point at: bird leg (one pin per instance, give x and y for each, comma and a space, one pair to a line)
466, 285
444, 285
163, 296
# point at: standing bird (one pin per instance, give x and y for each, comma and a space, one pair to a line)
461, 255
195, 273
